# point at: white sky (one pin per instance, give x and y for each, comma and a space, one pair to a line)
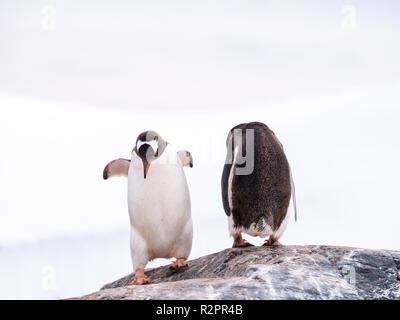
343, 156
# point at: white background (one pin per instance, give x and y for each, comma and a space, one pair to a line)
79, 81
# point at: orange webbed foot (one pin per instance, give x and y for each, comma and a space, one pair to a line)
239, 242
272, 242
179, 263
139, 279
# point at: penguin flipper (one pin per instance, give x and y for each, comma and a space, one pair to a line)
116, 168
186, 158
293, 195
225, 186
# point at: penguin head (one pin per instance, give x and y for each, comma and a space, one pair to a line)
149, 146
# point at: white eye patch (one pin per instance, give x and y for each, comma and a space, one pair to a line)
153, 144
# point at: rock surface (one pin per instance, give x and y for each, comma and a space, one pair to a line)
290, 272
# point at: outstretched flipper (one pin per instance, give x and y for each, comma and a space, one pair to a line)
116, 168
186, 158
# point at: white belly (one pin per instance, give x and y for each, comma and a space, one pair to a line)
159, 206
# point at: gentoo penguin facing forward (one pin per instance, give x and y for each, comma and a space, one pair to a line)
256, 184
158, 201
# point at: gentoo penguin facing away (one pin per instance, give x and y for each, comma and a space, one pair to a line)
158, 201
257, 184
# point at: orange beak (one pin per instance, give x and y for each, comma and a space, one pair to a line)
147, 168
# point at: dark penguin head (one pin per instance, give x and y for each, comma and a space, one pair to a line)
149, 146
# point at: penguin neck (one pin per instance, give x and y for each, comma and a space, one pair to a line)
168, 156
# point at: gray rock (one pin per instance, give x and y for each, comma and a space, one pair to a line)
290, 272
